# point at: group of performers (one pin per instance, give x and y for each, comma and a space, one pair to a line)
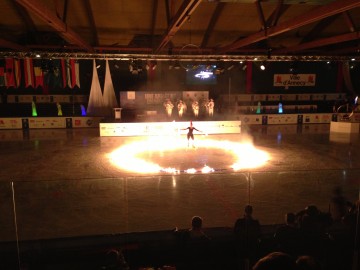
182, 109
195, 106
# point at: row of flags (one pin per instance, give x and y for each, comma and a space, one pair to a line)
37, 73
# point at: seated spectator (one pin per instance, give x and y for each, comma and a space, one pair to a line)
194, 248
195, 232
339, 206
288, 237
313, 224
275, 261
307, 263
114, 260
345, 240
247, 232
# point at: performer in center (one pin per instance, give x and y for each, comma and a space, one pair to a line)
190, 134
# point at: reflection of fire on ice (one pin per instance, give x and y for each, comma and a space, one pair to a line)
130, 156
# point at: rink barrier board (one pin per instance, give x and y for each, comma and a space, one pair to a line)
245, 119
168, 128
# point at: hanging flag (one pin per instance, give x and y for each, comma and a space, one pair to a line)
249, 77
63, 72
47, 80
151, 71
71, 72
28, 72
57, 67
95, 105
77, 73
17, 72
2, 76
39, 77
9, 73
109, 96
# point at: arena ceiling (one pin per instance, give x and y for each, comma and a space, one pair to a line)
168, 29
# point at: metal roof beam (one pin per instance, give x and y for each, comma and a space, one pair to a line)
349, 21
261, 15
320, 43
310, 17
214, 18
46, 15
187, 8
153, 21
11, 45
90, 14
318, 28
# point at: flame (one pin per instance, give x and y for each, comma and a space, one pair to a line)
126, 157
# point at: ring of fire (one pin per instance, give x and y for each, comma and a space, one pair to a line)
246, 156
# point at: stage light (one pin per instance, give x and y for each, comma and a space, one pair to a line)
280, 109
262, 67
98, 66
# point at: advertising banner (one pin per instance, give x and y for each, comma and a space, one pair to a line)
47, 122
167, 128
282, 119
317, 118
10, 123
85, 122
288, 80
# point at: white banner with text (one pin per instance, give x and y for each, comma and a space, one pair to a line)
287, 80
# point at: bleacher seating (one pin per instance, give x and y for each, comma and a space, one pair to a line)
145, 250
291, 103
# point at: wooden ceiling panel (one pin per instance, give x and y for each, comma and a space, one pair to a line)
124, 25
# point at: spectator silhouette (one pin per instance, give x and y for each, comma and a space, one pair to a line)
276, 261
114, 260
195, 249
247, 233
307, 263
288, 236
312, 224
344, 239
339, 206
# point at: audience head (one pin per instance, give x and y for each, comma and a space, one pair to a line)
115, 257
275, 261
337, 191
290, 218
311, 210
248, 210
196, 223
307, 263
